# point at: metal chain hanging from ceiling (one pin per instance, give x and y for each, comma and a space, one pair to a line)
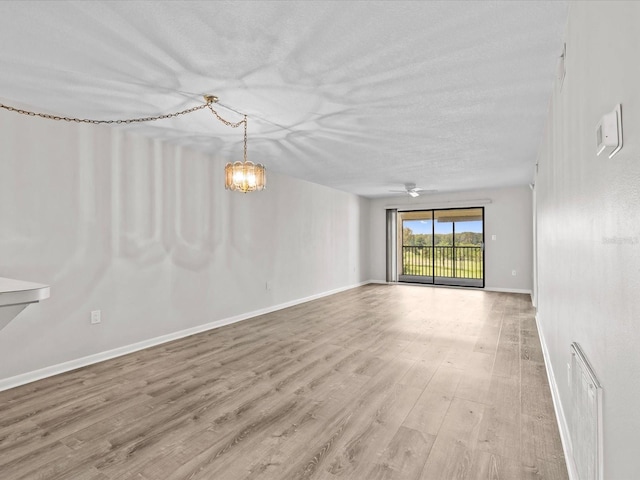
209, 99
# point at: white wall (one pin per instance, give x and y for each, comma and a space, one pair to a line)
145, 232
508, 216
588, 210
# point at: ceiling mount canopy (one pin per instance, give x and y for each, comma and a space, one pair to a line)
242, 176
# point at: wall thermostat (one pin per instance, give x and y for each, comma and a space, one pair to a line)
609, 132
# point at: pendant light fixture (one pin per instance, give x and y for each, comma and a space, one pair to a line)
242, 176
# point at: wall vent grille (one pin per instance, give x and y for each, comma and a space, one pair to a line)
586, 417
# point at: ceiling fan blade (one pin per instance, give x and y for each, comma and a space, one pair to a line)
422, 190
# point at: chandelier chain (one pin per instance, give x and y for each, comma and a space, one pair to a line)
99, 122
226, 122
129, 120
233, 125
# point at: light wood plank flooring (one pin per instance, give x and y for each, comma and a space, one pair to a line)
380, 382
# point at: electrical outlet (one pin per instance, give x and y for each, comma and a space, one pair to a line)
95, 317
267, 285
513, 272
494, 237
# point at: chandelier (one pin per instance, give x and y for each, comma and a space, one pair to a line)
242, 176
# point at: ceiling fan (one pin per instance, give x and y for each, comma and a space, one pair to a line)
411, 190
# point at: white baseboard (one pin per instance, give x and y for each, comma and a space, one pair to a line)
563, 425
488, 289
29, 377
508, 290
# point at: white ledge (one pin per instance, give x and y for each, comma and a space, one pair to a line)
17, 292
16, 295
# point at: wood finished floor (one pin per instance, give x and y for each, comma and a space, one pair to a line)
380, 382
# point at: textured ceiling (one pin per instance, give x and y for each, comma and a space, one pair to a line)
359, 96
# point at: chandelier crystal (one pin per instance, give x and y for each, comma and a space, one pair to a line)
244, 176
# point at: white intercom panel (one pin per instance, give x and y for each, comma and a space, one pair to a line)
609, 132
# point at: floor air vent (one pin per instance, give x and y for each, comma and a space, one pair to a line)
586, 418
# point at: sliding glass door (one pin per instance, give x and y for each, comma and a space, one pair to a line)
442, 247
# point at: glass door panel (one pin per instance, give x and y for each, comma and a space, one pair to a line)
416, 247
462, 246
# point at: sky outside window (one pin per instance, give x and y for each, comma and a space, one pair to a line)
424, 226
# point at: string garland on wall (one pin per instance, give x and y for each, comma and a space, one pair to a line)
242, 176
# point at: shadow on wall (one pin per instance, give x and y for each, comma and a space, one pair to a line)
89, 196
164, 204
